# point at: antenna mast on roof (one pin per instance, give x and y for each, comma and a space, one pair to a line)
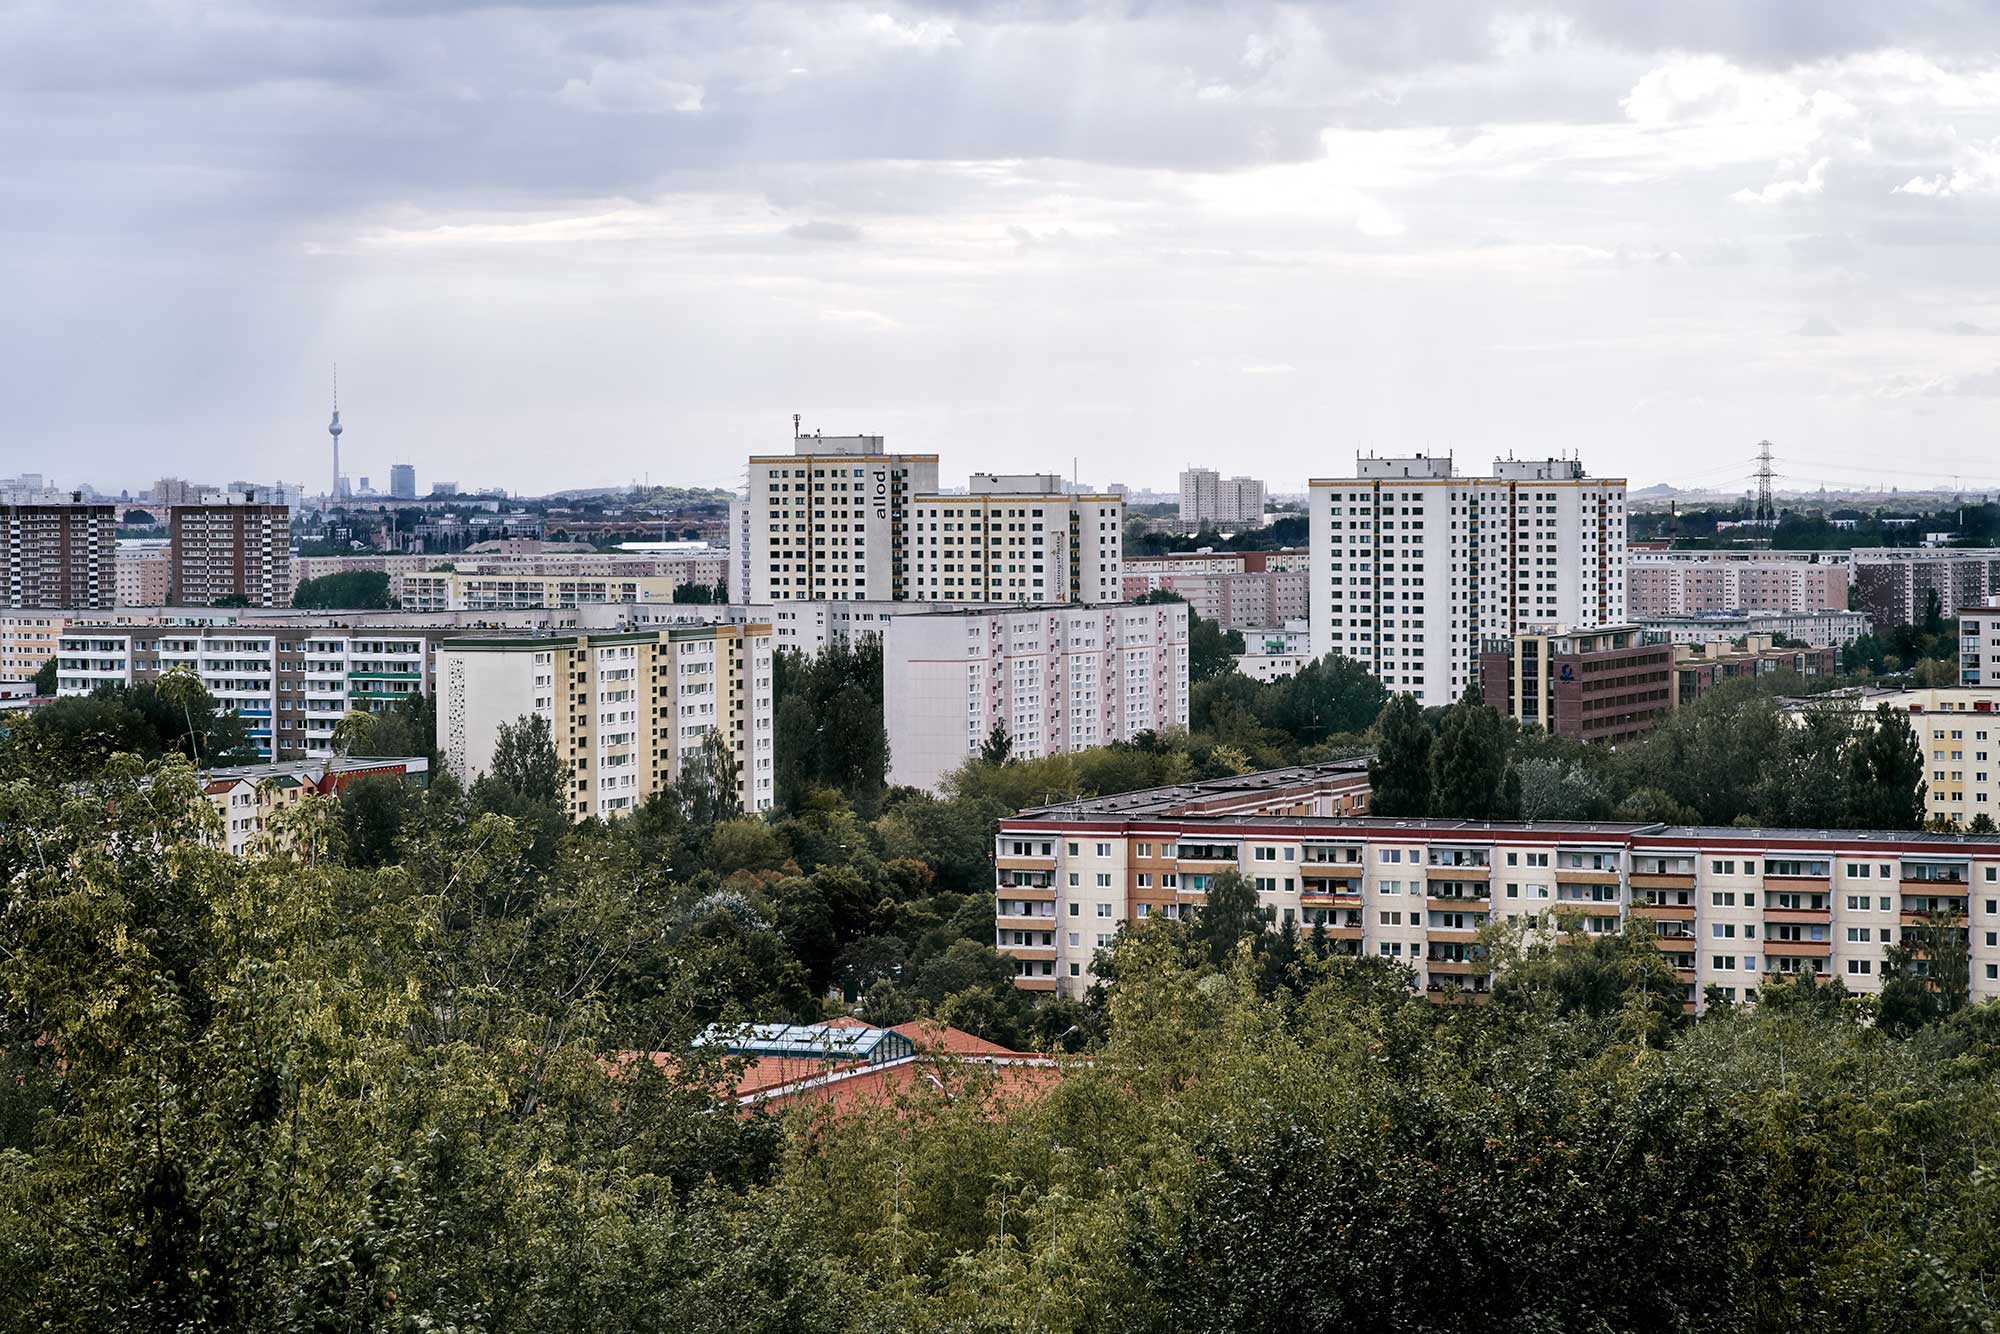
795, 426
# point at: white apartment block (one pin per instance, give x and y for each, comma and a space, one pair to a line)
1057, 678
1978, 645
1732, 908
1815, 629
830, 520
1210, 500
1017, 538
455, 591
291, 684
1690, 583
626, 711
1413, 566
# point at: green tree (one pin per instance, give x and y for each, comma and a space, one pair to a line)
829, 724
1212, 650
708, 783
349, 589
1886, 785
1469, 762
1230, 913
998, 747
1329, 696
525, 760
45, 678
1399, 775
373, 811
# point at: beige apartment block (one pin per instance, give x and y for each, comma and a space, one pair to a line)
830, 521
1732, 908
1016, 538
626, 710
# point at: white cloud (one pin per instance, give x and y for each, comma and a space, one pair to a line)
1976, 172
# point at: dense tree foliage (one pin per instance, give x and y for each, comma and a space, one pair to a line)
830, 728
319, 1087
717, 592
1730, 757
177, 715
368, 589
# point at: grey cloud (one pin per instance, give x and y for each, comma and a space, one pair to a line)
823, 231
1816, 328
1980, 384
1966, 329
1831, 249
482, 206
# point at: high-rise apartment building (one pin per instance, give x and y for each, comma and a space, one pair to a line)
291, 684
1730, 908
1692, 583
627, 711
60, 555
1057, 679
1414, 567
1210, 500
176, 491
402, 481
1896, 585
1239, 600
1016, 538
142, 572
831, 520
230, 550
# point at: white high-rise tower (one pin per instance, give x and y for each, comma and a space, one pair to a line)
333, 429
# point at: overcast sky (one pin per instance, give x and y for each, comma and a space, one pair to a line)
574, 244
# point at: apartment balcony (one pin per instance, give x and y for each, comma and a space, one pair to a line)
1806, 882
1585, 875
1798, 949
1044, 864
1339, 932
1798, 916
1457, 994
1330, 870
1323, 899
1679, 942
1035, 983
1918, 909
1460, 967
1469, 874
1034, 953
1642, 880
1481, 903
1663, 912
1447, 936
1210, 854
1023, 922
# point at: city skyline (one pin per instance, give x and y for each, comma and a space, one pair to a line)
568, 246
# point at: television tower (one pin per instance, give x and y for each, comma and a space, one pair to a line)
333, 429
1766, 507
